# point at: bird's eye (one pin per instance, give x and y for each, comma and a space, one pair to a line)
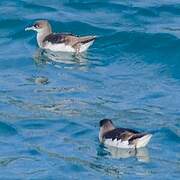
36, 25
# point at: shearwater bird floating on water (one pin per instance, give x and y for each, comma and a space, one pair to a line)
65, 42
109, 135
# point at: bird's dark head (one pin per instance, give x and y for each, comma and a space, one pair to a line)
106, 125
105, 122
40, 26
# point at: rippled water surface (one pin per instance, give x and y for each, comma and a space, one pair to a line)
49, 130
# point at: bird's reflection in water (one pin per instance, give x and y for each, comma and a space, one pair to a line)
48, 57
141, 154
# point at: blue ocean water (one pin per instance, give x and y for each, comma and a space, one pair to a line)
131, 74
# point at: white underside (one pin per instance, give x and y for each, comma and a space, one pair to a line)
66, 48
139, 143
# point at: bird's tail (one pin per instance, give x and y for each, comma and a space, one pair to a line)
86, 39
143, 141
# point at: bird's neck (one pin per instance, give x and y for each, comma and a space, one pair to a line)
104, 130
41, 35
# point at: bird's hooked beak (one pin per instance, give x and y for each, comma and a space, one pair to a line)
30, 28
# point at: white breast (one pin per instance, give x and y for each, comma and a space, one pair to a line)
66, 48
59, 47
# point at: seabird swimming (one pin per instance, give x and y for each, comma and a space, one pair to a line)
109, 135
65, 42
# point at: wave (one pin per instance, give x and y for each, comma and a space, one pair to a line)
7, 130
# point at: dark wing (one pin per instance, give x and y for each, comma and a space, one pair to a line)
56, 38
120, 133
136, 136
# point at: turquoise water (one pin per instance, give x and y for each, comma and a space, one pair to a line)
131, 74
